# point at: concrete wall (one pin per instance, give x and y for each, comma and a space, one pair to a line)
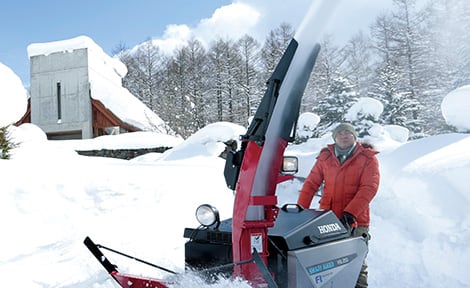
70, 69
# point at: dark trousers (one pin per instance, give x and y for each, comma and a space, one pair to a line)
362, 279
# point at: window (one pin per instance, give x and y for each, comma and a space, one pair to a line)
59, 96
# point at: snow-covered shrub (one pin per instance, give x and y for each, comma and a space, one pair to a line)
306, 125
364, 114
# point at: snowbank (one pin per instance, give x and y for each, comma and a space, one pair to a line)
455, 108
13, 97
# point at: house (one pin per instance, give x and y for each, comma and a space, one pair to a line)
76, 93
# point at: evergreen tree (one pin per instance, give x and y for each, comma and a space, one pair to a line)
329, 94
394, 83
385, 89
327, 68
412, 59
386, 85
339, 97
6, 144
364, 114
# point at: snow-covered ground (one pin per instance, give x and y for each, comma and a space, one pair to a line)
51, 199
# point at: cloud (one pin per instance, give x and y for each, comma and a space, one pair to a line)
258, 17
175, 36
230, 21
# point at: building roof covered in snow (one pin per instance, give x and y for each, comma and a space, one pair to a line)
104, 75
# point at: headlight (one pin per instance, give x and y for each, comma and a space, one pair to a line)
290, 165
207, 215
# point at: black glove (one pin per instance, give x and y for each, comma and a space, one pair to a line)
348, 220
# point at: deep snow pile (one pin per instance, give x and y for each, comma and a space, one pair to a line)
420, 222
455, 107
52, 198
13, 96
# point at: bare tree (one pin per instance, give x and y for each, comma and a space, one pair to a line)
357, 64
197, 71
274, 46
226, 67
251, 82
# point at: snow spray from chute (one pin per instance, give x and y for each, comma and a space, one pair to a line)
255, 207
308, 36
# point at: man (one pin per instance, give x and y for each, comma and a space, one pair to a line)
349, 171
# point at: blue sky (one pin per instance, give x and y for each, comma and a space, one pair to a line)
108, 22
111, 22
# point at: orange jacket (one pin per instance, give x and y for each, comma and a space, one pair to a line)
347, 188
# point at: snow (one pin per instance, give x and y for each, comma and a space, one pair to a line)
207, 141
52, 198
306, 123
101, 62
455, 107
13, 93
365, 106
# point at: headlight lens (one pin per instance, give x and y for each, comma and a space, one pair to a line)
290, 165
207, 215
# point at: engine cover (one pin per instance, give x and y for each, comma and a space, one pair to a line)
335, 264
296, 228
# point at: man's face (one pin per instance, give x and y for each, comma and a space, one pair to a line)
344, 139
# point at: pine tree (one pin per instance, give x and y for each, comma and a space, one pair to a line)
340, 96
329, 93
394, 82
385, 89
386, 86
418, 56
6, 143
